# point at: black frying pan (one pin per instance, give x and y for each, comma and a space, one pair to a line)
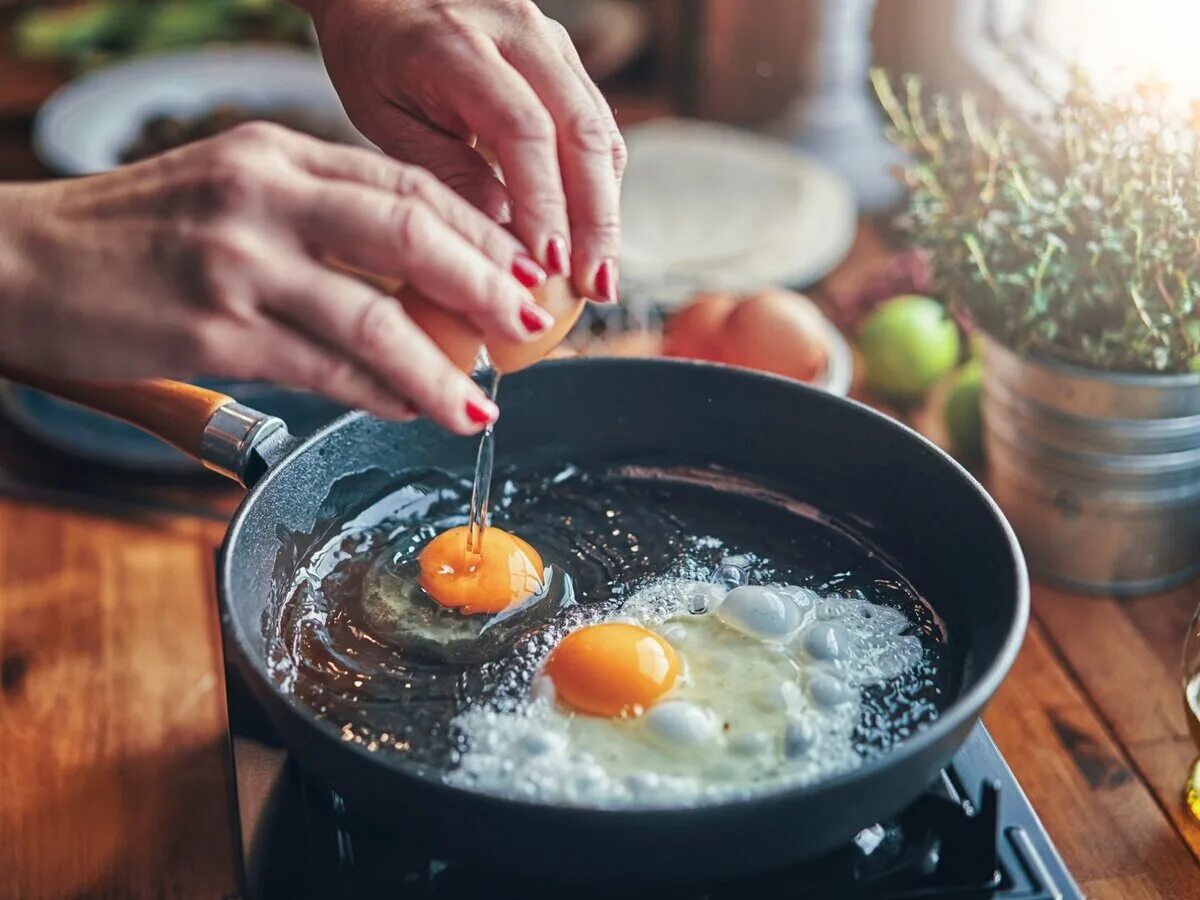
898, 490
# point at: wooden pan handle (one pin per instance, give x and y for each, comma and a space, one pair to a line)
172, 411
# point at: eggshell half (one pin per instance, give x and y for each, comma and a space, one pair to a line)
559, 299
461, 341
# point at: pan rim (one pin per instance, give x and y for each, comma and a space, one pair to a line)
963, 710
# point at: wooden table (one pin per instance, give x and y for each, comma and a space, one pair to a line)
113, 762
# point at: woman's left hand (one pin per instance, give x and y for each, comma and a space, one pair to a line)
423, 79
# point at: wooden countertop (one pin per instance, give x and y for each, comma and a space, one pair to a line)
114, 771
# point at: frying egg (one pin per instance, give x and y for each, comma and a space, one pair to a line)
503, 572
612, 669
449, 604
673, 701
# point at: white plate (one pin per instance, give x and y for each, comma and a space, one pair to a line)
84, 127
706, 206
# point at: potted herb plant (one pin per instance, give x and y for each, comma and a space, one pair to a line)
1073, 246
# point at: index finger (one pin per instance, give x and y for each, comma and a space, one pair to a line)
586, 145
499, 106
374, 169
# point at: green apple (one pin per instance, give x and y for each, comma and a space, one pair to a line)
961, 413
908, 343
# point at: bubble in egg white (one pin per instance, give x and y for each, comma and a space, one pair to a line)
829, 691
588, 780
806, 597
826, 641
704, 597
681, 724
729, 576
643, 782
798, 738
761, 612
535, 743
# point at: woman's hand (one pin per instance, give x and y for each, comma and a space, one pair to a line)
424, 78
209, 261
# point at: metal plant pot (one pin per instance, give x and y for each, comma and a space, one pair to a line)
1098, 472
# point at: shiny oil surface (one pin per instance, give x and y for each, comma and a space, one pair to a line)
602, 533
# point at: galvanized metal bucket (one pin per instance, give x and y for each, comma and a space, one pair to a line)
1098, 472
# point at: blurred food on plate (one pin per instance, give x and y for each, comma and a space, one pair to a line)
164, 131
142, 106
87, 34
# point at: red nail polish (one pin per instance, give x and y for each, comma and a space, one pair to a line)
606, 281
556, 256
534, 319
526, 270
482, 412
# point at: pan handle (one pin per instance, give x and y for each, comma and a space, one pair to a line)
227, 437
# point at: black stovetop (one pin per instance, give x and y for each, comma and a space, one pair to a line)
972, 834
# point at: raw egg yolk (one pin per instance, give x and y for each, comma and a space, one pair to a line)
612, 669
506, 571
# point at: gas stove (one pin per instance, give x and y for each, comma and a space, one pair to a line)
972, 834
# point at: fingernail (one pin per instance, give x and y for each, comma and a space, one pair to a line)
606, 281
482, 411
526, 270
534, 318
556, 256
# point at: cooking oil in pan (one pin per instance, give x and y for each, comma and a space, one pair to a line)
397, 673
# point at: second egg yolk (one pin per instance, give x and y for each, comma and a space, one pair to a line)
612, 669
506, 571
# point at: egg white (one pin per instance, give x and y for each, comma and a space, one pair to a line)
770, 695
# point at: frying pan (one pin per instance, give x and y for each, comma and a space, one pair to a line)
896, 489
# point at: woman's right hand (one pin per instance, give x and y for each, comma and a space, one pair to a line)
210, 261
